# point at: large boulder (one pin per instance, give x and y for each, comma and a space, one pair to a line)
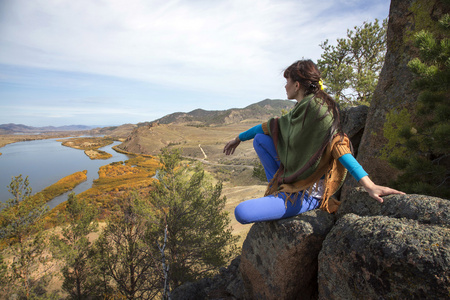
422, 208
398, 249
384, 258
279, 258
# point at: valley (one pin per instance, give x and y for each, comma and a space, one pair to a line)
200, 134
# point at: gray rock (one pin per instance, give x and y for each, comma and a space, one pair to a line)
279, 258
384, 258
424, 209
353, 120
192, 290
227, 285
395, 90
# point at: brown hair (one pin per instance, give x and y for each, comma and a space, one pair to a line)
306, 73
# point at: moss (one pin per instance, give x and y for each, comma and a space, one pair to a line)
422, 11
396, 123
420, 17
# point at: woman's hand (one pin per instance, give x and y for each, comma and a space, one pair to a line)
376, 191
231, 146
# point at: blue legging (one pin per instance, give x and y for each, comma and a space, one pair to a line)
270, 207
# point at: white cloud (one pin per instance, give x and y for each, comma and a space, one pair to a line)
227, 47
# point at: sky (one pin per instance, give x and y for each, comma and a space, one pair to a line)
112, 62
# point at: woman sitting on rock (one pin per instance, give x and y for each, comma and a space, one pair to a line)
304, 153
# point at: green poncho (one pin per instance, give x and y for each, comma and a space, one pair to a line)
300, 138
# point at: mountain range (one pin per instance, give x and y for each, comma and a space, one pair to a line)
12, 128
199, 117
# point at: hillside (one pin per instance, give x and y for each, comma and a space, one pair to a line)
117, 132
209, 129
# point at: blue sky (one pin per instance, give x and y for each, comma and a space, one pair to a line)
111, 62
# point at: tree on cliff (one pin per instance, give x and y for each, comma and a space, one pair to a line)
351, 68
21, 227
74, 249
419, 146
191, 213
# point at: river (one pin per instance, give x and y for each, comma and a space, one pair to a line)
47, 161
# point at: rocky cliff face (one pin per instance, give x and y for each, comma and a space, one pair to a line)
394, 90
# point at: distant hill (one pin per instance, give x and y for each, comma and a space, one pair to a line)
258, 111
120, 132
20, 128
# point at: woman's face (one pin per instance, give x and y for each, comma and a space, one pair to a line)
292, 89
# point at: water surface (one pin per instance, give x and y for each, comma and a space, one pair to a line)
47, 161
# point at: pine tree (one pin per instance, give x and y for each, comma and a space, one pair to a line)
191, 214
419, 146
351, 68
74, 249
127, 253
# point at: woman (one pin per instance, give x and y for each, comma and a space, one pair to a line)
304, 153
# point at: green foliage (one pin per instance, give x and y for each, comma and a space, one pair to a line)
74, 249
199, 239
419, 147
350, 69
127, 253
21, 227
